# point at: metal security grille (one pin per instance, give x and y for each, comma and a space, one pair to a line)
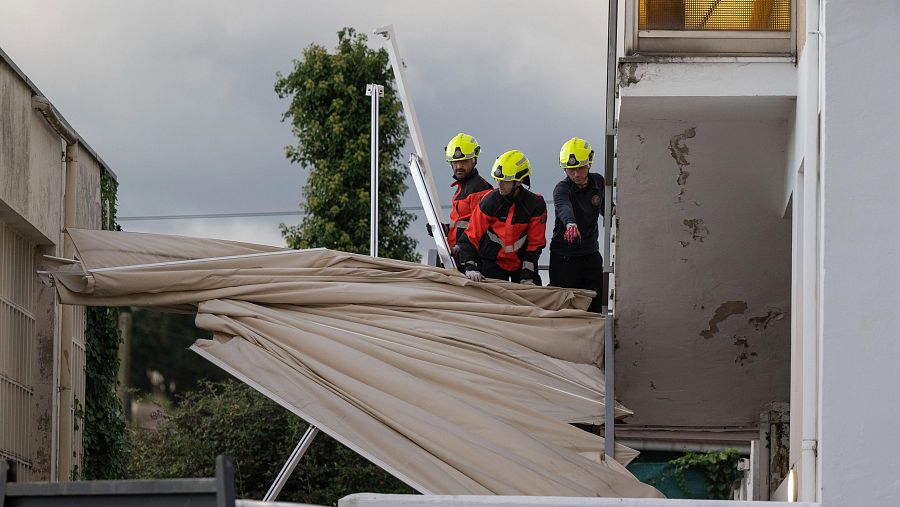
740, 15
78, 379
17, 348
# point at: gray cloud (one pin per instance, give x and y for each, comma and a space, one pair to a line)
178, 96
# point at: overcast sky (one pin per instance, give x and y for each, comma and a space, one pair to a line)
177, 96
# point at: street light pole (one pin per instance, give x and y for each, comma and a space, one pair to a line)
375, 91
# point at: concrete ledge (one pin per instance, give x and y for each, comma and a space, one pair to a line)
705, 78
376, 500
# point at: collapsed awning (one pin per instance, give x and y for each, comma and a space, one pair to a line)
452, 386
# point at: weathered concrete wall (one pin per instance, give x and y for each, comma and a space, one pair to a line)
87, 211
860, 273
44, 386
30, 160
32, 181
702, 269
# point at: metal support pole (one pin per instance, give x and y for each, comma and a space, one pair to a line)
375, 91
609, 422
610, 144
291, 463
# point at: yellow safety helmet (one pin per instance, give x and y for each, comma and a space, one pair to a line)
462, 147
511, 166
575, 153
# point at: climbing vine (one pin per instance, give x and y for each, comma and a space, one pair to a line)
719, 469
104, 425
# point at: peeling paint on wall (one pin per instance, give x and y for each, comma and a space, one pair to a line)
725, 310
678, 148
628, 75
762, 322
745, 358
697, 228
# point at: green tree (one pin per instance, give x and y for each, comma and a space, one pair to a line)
330, 116
160, 342
231, 418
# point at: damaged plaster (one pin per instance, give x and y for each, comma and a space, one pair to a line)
628, 74
744, 357
697, 228
762, 322
678, 148
725, 310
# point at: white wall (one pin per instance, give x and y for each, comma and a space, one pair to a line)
860, 286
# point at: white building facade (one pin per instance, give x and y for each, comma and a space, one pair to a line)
758, 211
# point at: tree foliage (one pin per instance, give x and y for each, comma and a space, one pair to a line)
231, 418
159, 343
330, 116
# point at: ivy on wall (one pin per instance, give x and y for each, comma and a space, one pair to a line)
104, 425
719, 468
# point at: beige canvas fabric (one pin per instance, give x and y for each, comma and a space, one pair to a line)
453, 386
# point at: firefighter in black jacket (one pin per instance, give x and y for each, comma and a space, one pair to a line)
575, 259
507, 230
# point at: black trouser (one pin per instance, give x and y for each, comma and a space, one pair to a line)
579, 272
490, 269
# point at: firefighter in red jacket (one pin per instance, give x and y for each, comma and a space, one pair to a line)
506, 232
462, 154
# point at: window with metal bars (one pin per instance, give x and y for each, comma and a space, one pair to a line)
18, 355
702, 15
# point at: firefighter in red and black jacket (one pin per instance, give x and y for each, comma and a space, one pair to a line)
462, 154
507, 231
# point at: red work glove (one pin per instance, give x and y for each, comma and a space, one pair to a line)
572, 233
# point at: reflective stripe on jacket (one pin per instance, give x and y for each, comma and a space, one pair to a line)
510, 232
468, 194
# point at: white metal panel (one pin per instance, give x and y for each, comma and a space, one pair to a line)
432, 210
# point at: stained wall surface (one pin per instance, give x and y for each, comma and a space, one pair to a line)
703, 268
30, 162
32, 215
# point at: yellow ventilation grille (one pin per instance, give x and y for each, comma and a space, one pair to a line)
743, 15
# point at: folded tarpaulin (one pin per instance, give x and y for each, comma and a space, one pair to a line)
452, 386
